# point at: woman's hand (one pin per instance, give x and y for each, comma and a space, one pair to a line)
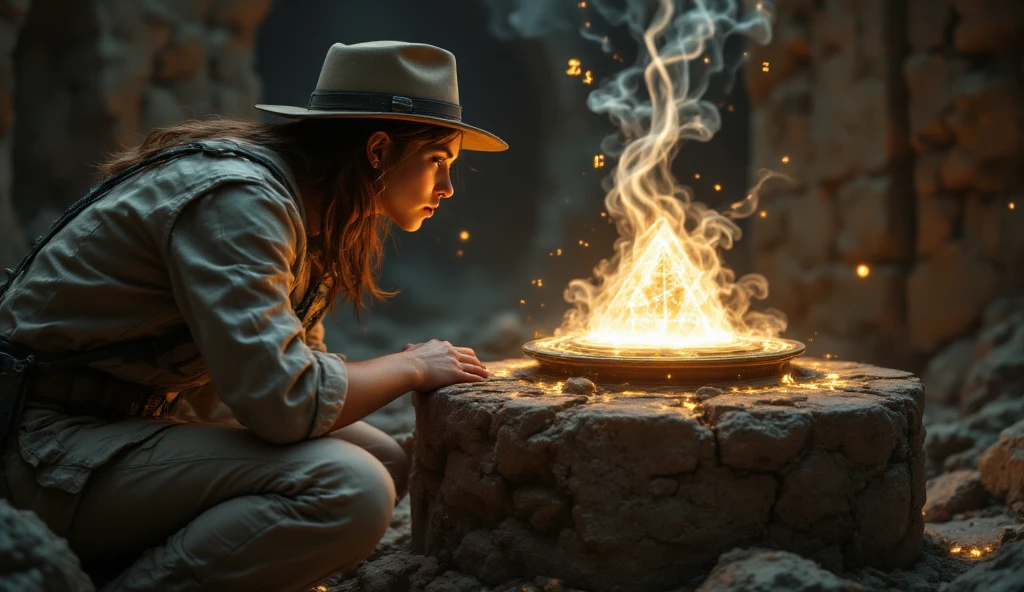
439, 364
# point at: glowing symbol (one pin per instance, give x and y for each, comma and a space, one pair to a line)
707, 60
696, 176
583, 3
464, 236
763, 214
574, 68
558, 252
975, 552
785, 159
587, 24
1013, 205
598, 161
588, 78
718, 187
764, 66
522, 302
458, 253
863, 271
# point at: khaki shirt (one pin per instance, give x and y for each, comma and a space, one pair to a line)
214, 242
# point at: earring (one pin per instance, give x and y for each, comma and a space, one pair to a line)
375, 164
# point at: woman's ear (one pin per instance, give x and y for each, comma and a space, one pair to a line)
377, 149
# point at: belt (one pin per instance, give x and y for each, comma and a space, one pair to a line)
93, 392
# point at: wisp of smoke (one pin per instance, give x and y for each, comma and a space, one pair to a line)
657, 104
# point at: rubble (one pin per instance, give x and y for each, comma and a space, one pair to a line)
764, 570
33, 558
1002, 465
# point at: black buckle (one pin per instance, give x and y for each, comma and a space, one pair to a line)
401, 104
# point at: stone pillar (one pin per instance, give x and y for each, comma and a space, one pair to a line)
97, 75
901, 125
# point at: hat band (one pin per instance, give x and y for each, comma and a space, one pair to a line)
337, 100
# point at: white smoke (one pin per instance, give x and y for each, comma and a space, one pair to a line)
657, 103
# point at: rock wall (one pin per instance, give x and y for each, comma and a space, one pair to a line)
82, 79
901, 124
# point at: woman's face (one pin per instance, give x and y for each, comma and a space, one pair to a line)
414, 189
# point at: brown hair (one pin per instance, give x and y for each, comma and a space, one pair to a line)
327, 156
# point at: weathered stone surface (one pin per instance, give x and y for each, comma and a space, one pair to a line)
928, 22
1003, 574
945, 373
96, 76
939, 306
987, 27
931, 82
927, 179
811, 228
876, 220
514, 479
1002, 466
998, 368
954, 493
988, 118
937, 220
33, 558
763, 570
849, 305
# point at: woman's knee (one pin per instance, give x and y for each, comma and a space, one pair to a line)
352, 496
384, 448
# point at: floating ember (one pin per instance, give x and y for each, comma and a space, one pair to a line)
665, 305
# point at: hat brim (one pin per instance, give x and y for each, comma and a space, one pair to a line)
474, 138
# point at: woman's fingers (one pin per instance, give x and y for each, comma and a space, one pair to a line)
469, 359
467, 377
474, 369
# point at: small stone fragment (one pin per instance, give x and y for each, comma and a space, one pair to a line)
706, 392
1002, 465
954, 493
762, 570
33, 558
577, 385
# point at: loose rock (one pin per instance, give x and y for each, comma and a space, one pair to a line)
762, 570
1002, 465
33, 558
953, 493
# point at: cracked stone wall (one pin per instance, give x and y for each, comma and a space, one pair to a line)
81, 79
901, 125
642, 487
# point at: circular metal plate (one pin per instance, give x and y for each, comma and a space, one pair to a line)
740, 360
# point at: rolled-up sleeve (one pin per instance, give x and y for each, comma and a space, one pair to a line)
230, 257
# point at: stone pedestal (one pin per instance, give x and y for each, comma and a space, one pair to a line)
640, 487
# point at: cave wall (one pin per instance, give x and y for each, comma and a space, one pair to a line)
79, 80
900, 124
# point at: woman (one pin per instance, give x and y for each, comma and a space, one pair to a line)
204, 265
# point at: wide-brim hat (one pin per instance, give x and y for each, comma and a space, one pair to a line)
391, 80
